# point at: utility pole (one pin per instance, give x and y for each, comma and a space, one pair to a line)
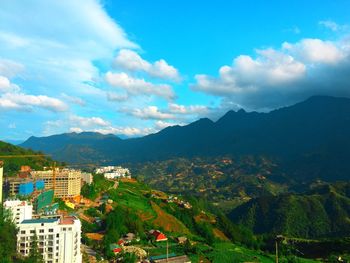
278, 238
276, 248
167, 251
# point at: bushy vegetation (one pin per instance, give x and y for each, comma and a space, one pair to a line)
13, 165
322, 212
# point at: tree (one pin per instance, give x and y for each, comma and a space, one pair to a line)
7, 237
35, 255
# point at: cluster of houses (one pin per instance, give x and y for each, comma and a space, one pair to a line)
113, 172
124, 245
181, 203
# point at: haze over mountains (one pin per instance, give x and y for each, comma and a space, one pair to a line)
309, 140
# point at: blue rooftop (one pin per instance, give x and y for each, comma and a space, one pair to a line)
39, 221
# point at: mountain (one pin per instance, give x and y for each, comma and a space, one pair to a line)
321, 212
308, 140
12, 165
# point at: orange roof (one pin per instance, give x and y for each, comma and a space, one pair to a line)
67, 220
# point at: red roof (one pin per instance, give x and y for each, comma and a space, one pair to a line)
120, 242
117, 250
159, 236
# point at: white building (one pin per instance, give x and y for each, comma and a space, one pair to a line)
19, 210
58, 239
1, 179
87, 177
113, 172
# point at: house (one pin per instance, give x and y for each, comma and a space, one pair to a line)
159, 236
115, 248
181, 240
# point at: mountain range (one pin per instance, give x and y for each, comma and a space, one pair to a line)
309, 140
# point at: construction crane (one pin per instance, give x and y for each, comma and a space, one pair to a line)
13, 156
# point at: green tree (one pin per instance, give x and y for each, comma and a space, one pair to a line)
7, 238
35, 255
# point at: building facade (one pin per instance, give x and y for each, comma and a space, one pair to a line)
19, 210
113, 172
58, 239
1, 179
87, 178
66, 184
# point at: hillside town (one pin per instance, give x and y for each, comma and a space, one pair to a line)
49, 209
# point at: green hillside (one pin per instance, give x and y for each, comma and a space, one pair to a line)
137, 208
12, 165
324, 211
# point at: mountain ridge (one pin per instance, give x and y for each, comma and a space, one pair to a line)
293, 135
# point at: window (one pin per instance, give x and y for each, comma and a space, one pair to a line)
23, 232
51, 230
32, 231
41, 231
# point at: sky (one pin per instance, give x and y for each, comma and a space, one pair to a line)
132, 68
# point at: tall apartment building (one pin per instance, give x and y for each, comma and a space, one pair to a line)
67, 183
58, 239
1, 179
19, 210
87, 178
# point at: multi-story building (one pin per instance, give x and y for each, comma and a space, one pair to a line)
58, 239
19, 210
86, 178
1, 179
67, 182
113, 172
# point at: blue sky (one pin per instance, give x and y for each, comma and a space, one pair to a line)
134, 67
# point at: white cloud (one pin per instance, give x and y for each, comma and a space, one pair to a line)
279, 77
160, 125
9, 68
11, 125
191, 109
330, 25
111, 96
72, 99
128, 131
271, 67
130, 60
21, 101
150, 112
76, 129
315, 51
134, 86
55, 47
87, 122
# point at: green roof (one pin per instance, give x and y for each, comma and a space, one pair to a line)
114, 246
171, 255
39, 221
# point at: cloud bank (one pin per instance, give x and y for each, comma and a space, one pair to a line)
279, 77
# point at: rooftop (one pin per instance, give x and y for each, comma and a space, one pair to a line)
39, 221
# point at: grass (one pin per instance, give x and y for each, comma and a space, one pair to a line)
228, 252
168, 222
130, 195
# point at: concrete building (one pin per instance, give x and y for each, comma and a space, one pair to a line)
13, 184
58, 239
87, 178
67, 183
19, 210
113, 172
1, 179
